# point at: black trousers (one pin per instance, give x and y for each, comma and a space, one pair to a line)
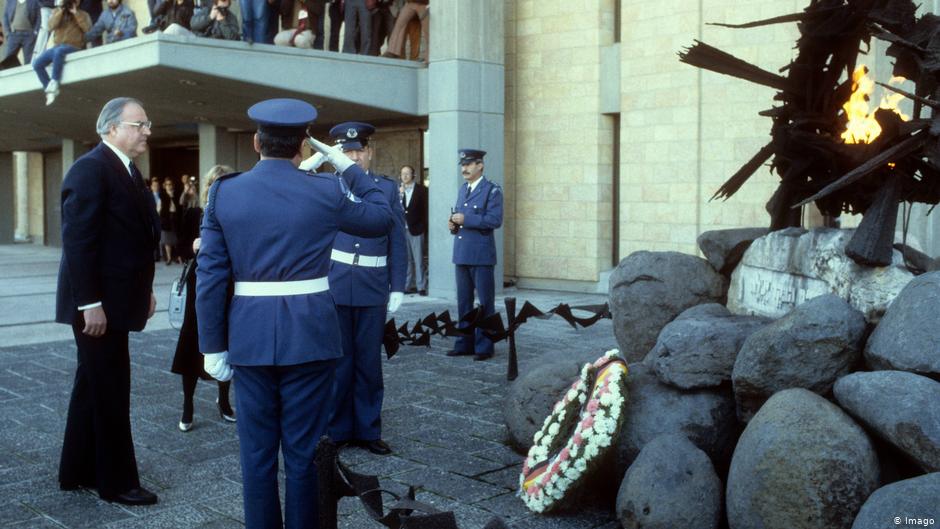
98, 450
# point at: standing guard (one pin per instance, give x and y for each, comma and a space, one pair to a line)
270, 231
367, 277
478, 211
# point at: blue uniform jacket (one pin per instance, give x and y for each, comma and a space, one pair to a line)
277, 223
483, 212
365, 286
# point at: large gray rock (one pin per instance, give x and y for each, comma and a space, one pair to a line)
801, 463
784, 268
649, 289
724, 248
917, 498
811, 347
532, 395
698, 348
706, 417
671, 484
906, 339
902, 408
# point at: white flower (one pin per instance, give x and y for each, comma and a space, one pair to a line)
553, 429
590, 451
580, 465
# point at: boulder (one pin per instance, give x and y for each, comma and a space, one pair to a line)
698, 348
811, 347
724, 248
913, 501
787, 267
706, 417
670, 484
906, 339
902, 408
531, 396
801, 463
649, 289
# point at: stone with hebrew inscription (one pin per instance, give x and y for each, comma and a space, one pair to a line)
785, 268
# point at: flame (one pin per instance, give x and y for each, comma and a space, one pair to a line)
862, 127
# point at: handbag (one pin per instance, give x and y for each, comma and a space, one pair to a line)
178, 292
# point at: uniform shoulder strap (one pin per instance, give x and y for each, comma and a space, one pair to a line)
214, 189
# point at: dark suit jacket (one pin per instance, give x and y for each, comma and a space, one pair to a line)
416, 213
110, 228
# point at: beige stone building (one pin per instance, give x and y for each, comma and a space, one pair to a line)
604, 142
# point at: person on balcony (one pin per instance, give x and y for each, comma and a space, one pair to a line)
171, 17
42, 40
255, 21
358, 23
69, 25
298, 37
21, 18
396, 44
116, 23
216, 23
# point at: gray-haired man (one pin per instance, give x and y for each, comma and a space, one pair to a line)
109, 230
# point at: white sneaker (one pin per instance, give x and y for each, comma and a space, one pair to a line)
52, 87
50, 97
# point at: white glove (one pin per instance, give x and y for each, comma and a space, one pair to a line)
216, 364
394, 301
313, 163
333, 154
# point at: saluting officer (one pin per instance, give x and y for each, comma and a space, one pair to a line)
478, 211
271, 230
367, 277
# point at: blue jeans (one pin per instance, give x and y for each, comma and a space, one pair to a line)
358, 23
255, 17
55, 55
20, 40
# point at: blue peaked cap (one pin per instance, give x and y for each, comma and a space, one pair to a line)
286, 116
352, 135
470, 156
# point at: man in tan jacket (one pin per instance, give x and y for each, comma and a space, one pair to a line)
69, 25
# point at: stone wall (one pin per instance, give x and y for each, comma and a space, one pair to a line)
557, 141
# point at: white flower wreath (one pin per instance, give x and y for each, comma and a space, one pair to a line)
590, 419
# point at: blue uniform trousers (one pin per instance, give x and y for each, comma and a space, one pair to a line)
284, 407
358, 389
479, 278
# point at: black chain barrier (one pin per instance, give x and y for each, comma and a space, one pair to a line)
337, 481
492, 326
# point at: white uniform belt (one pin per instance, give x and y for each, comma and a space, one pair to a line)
358, 260
281, 288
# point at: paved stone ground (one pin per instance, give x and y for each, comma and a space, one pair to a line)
442, 417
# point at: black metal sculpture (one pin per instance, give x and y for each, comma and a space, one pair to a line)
806, 148
337, 481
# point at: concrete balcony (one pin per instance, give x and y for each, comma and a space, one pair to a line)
185, 81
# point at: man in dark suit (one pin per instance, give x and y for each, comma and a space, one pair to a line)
414, 200
109, 230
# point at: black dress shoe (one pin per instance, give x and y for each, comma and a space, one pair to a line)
454, 352
422, 292
138, 496
377, 447
480, 358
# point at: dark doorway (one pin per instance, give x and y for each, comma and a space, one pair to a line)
174, 162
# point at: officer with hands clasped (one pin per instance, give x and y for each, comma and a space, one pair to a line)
478, 211
367, 278
270, 230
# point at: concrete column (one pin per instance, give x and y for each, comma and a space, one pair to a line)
21, 186
71, 150
216, 146
465, 110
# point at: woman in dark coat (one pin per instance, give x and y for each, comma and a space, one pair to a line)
169, 219
187, 362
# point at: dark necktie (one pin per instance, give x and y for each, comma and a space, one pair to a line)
468, 192
138, 178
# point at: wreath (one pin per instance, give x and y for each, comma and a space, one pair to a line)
575, 436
